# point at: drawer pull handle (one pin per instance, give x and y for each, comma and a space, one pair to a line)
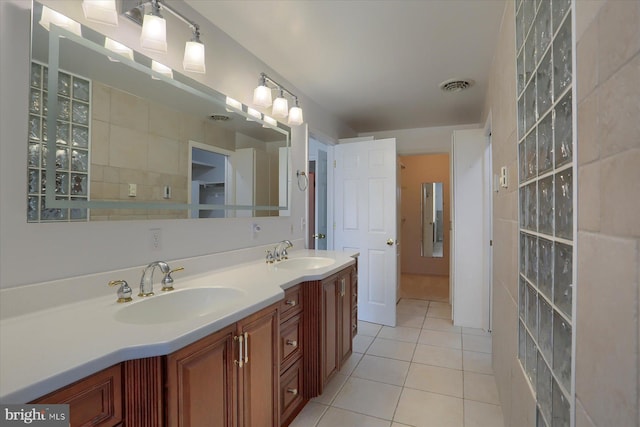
246, 347
291, 302
293, 391
240, 361
293, 343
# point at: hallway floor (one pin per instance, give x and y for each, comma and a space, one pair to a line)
425, 373
418, 286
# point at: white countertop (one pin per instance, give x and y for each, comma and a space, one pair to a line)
48, 349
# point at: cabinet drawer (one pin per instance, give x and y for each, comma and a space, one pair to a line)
292, 303
93, 401
290, 341
291, 399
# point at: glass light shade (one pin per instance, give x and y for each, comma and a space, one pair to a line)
161, 69
154, 33
280, 107
50, 16
295, 116
101, 11
233, 105
194, 57
262, 96
270, 120
253, 114
118, 48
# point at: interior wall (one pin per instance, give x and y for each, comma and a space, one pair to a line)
419, 169
31, 253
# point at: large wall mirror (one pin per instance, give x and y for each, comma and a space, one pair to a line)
432, 219
135, 142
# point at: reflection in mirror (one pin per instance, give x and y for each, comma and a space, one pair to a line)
432, 220
133, 143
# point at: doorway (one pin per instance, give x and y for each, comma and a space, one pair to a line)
425, 208
318, 218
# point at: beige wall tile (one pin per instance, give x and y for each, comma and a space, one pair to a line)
129, 111
619, 109
164, 121
504, 343
582, 418
127, 148
99, 142
619, 35
132, 176
191, 129
586, 13
219, 137
163, 155
620, 194
588, 130
111, 174
589, 197
523, 403
97, 173
100, 101
587, 60
606, 327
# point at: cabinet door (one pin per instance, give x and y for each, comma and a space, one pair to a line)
260, 371
345, 326
93, 401
330, 319
200, 386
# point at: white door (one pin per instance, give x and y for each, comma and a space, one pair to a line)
365, 220
469, 242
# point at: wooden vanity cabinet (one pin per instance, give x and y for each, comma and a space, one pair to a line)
208, 385
93, 401
330, 318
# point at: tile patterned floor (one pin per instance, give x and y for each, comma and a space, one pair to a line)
425, 372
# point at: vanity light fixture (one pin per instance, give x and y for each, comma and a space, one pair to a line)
253, 114
295, 114
154, 30
280, 106
194, 53
262, 99
101, 11
118, 48
269, 121
50, 16
161, 69
233, 105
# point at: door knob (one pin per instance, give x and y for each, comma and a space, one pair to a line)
390, 242
319, 236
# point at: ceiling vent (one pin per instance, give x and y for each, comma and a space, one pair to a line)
456, 85
219, 117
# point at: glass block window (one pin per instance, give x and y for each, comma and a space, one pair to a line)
545, 85
73, 135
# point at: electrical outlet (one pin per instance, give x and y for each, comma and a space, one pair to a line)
155, 239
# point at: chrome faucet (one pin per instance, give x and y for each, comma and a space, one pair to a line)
146, 282
281, 254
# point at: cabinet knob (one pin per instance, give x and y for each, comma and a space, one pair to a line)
293, 391
293, 343
291, 302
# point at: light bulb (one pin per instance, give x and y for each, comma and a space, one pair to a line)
118, 48
269, 121
101, 11
280, 107
233, 105
161, 69
154, 33
50, 16
194, 57
295, 116
253, 114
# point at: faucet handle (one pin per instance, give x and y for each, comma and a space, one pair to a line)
124, 291
167, 280
269, 257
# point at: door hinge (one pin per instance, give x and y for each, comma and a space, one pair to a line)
334, 164
491, 242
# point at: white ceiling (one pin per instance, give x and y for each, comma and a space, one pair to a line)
376, 65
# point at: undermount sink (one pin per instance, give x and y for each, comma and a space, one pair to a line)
177, 305
305, 263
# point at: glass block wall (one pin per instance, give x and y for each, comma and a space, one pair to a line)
545, 160
73, 136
